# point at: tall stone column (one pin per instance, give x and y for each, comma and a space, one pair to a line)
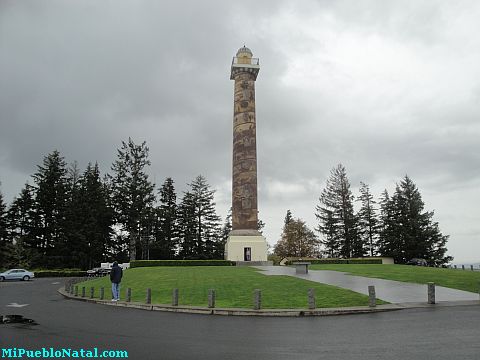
244, 174
245, 243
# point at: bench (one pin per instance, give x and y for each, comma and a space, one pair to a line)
301, 267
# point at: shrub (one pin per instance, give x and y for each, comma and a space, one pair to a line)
341, 261
148, 263
365, 261
274, 258
60, 273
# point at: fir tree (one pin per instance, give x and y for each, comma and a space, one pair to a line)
367, 219
200, 199
74, 238
167, 231
328, 226
23, 224
281, 247
225, 233
408, 231
187, 227
148, 232
89, 219
5, 243
337, 221
51, 199
260, 226
388, 241
288, 218
21, 218
3, 219
132, 191
207, 220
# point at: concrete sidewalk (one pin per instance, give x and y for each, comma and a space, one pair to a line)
388, 290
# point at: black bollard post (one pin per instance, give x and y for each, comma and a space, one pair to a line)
311, 299
175, 297
372, 297
431, 293
149, 296
211, 298
257, 300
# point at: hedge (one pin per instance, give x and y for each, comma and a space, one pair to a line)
148, 263
340, 261
365, 261
59, 273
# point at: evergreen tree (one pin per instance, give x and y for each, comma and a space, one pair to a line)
367, 219
167, 230
225, 233
89, 219
23, 225
5, 243
132, 192
260, 226
3, 219
288, 218
73, 178
281, 247
200, 200
337, 221
21, 215
331, 236
297, 240
74, 237
148, 232
51, 199
408, 231
388, 240
187, 227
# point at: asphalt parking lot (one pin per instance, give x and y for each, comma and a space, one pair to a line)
430, 333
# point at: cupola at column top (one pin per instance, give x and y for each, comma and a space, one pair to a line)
244, 62
244, 52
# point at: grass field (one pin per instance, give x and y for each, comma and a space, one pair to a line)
234, 288
456, 279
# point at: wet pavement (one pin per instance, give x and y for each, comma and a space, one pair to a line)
388, 290
434, 332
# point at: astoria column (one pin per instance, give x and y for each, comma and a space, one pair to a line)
245, 243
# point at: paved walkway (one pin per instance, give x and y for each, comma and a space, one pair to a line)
388, 290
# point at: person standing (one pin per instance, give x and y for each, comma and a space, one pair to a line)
116, 277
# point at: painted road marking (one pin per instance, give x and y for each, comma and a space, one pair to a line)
17, 305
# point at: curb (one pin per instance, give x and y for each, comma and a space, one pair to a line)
241, 311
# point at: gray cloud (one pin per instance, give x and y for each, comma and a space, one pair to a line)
386, 88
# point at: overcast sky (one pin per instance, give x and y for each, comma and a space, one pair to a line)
387, 88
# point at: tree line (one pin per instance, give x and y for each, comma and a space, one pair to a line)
69, 218
396, 226
73, 219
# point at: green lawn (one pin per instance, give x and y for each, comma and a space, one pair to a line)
234, 288
456, 279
